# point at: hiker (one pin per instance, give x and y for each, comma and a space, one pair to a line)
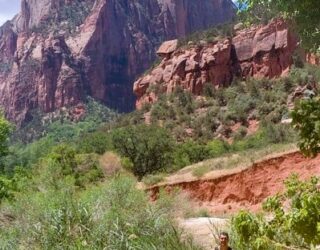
224, 239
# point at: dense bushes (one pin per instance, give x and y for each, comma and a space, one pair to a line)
291, 226
60, 127
306, 118
5, 130
150, 149
63, 161
97, 142
218, 147
190, 152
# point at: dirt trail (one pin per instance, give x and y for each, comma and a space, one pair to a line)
245, 188
203, 230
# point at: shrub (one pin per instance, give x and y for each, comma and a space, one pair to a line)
5, 130
253, 88
201, 171
305, 119
96, 142
209, 35
149, 148
208, 90
151, 180
184, 100
65, 157
190, 152
291, 226
210, 120
279, 133
63, 162
240, 133
27, 155
110, 163
6, 188
217, 147
88, 169
256, 140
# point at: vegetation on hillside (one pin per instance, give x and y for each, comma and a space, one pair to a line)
61, 126
210, 35
66, 19
5, 130
190, 130
217, 111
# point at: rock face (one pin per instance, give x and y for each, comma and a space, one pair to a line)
261, 51
54, 53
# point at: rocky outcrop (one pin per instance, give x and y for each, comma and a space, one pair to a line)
50, 59
260, 51
265, 51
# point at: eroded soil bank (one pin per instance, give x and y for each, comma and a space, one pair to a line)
248, 188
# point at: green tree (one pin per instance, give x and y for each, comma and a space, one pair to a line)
306, 118
96, 142
304, 13
149, 148
65, 157
295, 225
5, 130
6, 188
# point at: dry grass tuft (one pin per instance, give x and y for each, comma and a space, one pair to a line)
110, 163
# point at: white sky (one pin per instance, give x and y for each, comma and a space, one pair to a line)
8, 9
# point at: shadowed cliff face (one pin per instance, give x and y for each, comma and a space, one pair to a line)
55, 52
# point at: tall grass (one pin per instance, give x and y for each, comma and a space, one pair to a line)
112, 215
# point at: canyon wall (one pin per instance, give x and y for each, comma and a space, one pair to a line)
56, 52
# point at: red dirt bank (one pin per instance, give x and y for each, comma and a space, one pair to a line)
248, 188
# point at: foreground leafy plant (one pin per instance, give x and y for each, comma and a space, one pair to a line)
5, 129
306, 118
296, 227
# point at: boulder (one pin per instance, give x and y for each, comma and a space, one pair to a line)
167, 48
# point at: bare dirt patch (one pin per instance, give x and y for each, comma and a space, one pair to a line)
203, 230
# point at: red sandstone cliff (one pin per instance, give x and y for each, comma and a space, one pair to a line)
260, 51
54, 52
